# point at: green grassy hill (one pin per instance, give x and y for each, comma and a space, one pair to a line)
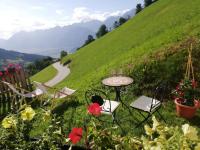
45, 75
158, 26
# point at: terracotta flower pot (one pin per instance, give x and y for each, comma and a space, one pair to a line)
198, 103
184, 111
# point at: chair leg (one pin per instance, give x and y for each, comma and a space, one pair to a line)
145, 119
161, 116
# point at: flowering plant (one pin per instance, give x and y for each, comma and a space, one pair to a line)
161, 136
15, 131
9, 69
95, 136
186, 91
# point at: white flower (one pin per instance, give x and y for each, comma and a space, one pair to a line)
155, 123
189, 132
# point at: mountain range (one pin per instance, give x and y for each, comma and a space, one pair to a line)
8, 56
52, 41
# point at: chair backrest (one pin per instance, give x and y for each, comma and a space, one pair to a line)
96, 96
40, 86
158, 96
12, 87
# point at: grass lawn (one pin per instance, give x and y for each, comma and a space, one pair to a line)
74, 112
45, 75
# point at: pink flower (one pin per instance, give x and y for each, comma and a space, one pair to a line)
177, 87
1, 74
194, 84
10, 65
17, 68
76, 135
94, 109
181, 94
6, 71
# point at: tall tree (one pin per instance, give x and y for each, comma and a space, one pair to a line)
89, 40
102, 31
147, 2
122, 20
116, 24
138, 8
63, 54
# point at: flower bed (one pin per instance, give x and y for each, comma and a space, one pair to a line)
15, 134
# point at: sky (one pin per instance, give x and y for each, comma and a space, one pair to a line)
30, 15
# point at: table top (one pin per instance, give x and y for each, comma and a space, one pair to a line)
117, 81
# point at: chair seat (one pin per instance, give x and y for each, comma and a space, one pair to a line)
106, 107
144, 103
34, 93
64, 92
68, 91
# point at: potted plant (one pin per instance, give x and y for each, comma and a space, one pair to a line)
186, 92
186, 98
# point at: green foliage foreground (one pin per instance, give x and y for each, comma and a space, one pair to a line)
15, 134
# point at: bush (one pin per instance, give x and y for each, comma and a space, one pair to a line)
167, 66
67, 62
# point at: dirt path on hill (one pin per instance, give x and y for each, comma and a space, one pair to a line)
63, 72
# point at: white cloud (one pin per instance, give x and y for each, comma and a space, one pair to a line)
59, 11
84, 14
13, 20
37, 8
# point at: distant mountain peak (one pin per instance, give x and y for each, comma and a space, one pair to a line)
52, 41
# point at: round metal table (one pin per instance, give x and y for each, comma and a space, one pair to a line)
117, 82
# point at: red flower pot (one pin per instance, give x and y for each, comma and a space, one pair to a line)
184, 111
197, 103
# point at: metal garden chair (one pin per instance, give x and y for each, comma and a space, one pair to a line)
149, 105
108, 106
57, 94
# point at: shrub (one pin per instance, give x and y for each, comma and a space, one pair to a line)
67, 62
167, 66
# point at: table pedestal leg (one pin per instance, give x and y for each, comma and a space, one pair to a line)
118, 98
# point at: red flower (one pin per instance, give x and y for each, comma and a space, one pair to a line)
76, 135
10, 65
177, 87
94, 109
1, 74
194, 84
181, 94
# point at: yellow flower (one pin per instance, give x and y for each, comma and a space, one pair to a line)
47, 115
9, 122
148, 130
27, 114
190, 132
197, 147
156, 147
155, 123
